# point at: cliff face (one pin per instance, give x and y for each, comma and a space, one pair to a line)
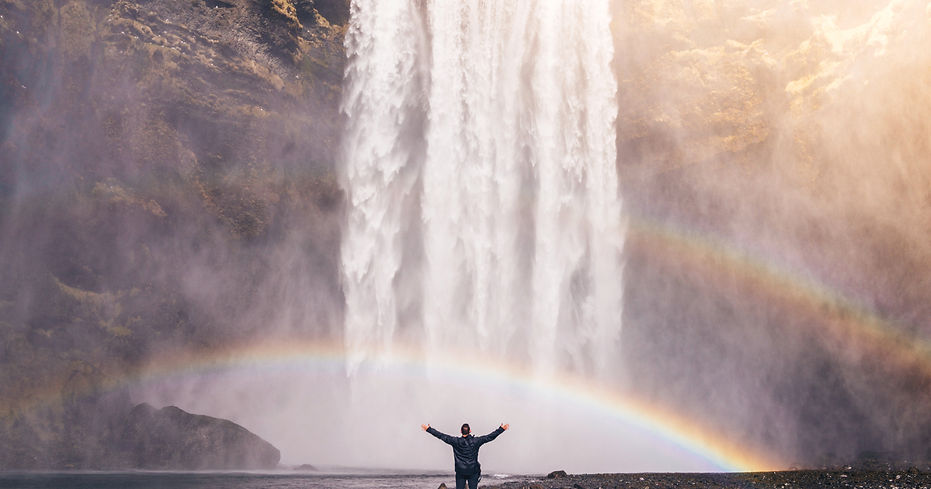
158, 156
167, 177
775, 164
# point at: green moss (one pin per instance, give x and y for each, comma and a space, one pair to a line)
316, 68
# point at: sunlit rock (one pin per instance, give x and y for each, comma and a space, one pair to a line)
794, 135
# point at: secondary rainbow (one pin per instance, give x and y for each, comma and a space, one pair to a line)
839, 316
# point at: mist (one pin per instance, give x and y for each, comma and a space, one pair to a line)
176, 184
167, 183
782, 152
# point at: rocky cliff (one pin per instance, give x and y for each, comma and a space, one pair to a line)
167, 180
156, 154
775, 165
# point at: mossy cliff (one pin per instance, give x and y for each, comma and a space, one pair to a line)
153, 150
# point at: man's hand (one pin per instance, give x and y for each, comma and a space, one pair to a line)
505, 426
425, 426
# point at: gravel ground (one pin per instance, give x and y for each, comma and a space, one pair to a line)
904, 479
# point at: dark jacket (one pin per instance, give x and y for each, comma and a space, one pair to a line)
465, 449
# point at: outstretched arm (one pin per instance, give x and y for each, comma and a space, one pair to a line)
442, 436
494, 434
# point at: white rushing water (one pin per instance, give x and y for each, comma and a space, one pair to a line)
479, 162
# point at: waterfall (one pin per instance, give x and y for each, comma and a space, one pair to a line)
479, 163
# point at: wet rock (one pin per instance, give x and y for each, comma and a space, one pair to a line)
335, 11
218, 4
174, 121
171, 438
556, 474
760, 480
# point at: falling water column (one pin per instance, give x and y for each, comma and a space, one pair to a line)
380, 100
519, 213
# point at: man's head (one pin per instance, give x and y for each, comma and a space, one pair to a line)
465, 429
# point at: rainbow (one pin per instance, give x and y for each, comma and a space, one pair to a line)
836, 316
330, 358
668, 248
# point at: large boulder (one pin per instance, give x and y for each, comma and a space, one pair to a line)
171, 438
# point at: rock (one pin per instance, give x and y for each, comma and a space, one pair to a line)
171, 438
557, 474
306, 13
176, 119
334, 11
442, 485
306, 467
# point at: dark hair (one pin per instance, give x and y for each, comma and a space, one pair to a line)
465, 429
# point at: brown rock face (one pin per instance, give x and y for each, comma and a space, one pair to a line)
151, 150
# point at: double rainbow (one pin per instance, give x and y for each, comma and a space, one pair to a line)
844, 320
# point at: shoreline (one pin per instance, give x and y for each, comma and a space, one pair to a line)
828, 478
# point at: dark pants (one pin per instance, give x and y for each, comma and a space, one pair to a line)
472, 479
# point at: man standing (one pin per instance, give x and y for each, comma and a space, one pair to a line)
465, 452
